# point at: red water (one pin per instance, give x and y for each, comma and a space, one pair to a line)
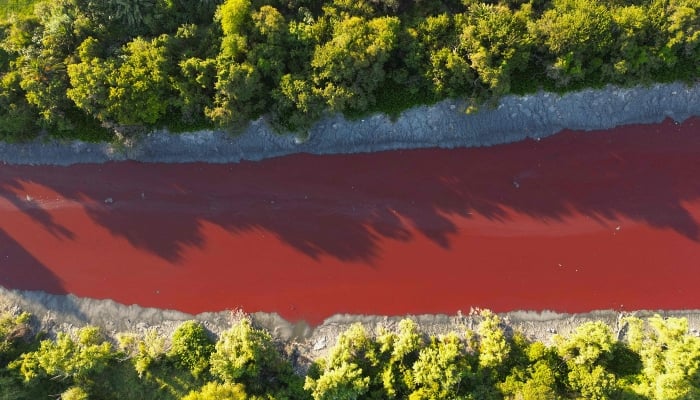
575, 222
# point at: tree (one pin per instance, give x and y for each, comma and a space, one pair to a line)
17, 117
637, 46
347, 371
440, 369
343, 382
188, 12
73, 359
270, 38
434, 59
493, 346
402, 349
132, 89
240, 93
684, 33
348, 68
587, 352
89, 80
234, 16
670, 357
42, 60
218, 391
497, 43
139, 90
75, 393
142, 351
195, 87
248, 355
537, 379
296, 107
576, 37
13, 327
191, 347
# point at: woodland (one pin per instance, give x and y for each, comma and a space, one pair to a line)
80, 69
652, 358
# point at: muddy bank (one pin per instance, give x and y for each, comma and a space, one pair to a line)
54, 313
442, 125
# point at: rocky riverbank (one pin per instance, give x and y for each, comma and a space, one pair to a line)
443, 125
61, 313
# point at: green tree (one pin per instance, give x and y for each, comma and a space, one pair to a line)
89, 80
42, 60
218, 391
139, 90
440, 370
538, 378
240, 94
587, 352
13, 327
17, 117
349, 68
296, 107
72, 359
195, 87
234, 16
75, 393
343, 382
143, 351
576, 38
132, 89
270, 37
434, 60
241, 91
497, 42
343, 9
347, 371
403, 349
637, 46
191, 347
684, 33
670, 358
248, 355
493, 346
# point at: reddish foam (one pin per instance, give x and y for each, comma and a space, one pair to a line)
575, 222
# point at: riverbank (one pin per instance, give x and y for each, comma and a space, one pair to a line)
63, 313
443, 125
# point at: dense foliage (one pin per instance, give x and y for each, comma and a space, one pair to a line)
71, 67
656, 358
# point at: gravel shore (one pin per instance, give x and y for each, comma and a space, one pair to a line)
443, 125
62, 313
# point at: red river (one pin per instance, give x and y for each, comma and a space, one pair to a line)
571, 223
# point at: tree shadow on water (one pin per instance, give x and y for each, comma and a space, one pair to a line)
343, 206
20, 270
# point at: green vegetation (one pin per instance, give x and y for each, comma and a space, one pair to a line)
78, 68
656, 358
16, 7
